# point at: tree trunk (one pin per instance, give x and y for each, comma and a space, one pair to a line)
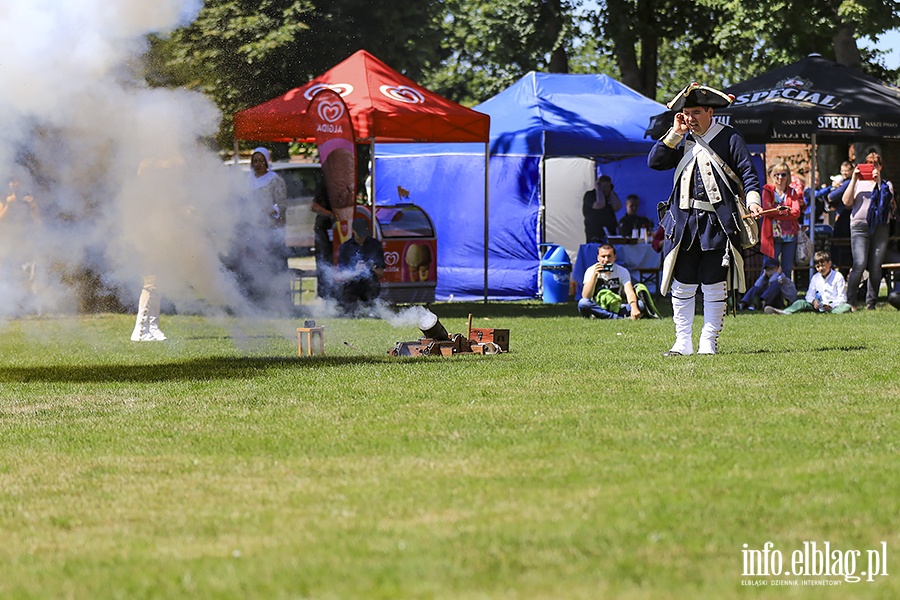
845, 50
649, 38
623, 39
559, 59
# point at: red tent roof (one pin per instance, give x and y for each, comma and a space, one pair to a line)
383, 104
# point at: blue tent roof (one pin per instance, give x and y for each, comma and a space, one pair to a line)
546, 114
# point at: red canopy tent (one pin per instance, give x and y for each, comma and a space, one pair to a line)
385, 107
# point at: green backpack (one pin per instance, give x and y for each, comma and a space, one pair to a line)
644, 294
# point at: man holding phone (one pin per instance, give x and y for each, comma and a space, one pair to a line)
702, 247
871, 203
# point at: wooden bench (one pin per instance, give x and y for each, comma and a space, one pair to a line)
888, 271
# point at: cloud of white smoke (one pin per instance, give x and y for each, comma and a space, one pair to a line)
122, 184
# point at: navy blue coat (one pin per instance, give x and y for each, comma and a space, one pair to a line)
712, 232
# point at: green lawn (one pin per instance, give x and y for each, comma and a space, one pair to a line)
582, 464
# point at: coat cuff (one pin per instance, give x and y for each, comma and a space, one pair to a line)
753, 198
671, 139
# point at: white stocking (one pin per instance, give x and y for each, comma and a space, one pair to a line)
683, 295
153, 310
142, 322
146, 326
715, 306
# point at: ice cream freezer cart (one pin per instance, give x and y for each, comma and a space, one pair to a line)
408, 238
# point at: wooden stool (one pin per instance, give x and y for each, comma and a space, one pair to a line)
310, 335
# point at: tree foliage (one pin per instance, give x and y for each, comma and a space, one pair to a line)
492, 43
241, 52
771, 33
660, 45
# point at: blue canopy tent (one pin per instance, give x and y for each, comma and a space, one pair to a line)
542, 116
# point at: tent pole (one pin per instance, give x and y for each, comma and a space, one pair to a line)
812, 205
487, 162
236, 151
371, 199
542, 215
542, 218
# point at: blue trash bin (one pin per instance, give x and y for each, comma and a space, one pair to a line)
556, 271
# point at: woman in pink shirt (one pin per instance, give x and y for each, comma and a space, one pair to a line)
871, 202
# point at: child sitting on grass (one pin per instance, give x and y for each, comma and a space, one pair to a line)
773, 287
827, 291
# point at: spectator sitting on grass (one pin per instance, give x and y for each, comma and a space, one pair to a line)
772, 287
827, 291
605, 284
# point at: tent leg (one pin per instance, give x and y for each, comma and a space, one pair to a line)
371, 192
812, 205
487, 162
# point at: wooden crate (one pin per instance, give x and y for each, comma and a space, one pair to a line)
489, 334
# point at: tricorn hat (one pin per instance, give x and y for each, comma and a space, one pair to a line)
699, 95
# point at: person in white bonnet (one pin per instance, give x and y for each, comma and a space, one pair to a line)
259, 257
269, 189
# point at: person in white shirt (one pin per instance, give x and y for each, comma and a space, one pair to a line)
613, 281
827, 291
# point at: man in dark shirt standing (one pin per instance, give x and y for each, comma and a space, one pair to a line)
599, 206
360, 266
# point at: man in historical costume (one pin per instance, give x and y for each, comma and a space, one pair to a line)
701, 220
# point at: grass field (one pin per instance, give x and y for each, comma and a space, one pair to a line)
582, 464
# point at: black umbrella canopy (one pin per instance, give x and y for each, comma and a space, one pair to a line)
811, 96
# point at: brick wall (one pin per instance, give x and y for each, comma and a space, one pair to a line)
797, 157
